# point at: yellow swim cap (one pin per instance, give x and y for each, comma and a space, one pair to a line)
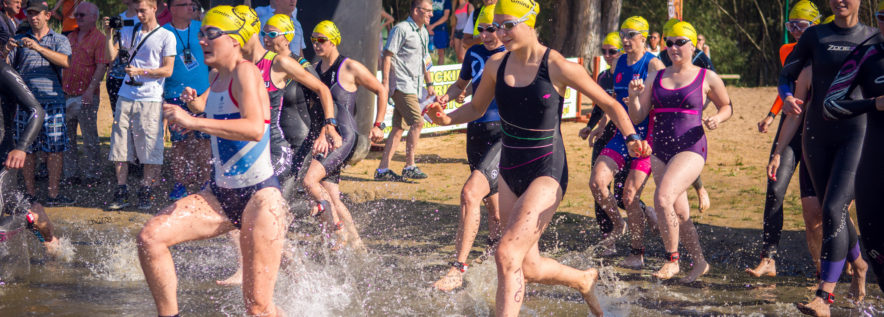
805, 10
226, 18
636, 23
284, 24
668, 26
486, 15
521, 9
686, 30
829, 19
330, 30
613, 39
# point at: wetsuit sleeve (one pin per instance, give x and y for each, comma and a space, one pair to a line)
796, 60
845, 109
595, 117
11, 84
837, 105
776, 107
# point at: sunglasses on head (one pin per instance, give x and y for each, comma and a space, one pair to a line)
318, 40
489, 29
677, 42
629, 35
275, 34
610, 52
213, 33
798, 26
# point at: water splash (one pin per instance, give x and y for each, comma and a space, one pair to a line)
113, 257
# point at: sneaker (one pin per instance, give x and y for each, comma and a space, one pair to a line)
59, 200
413, 172
178, 192
121, 198
145, 199
387, 175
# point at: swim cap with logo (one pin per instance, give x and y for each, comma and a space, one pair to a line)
636, 23
613, 39
829, 19
684, 29
330, 30
226, 18
805, 10
284, 24
521, 9
486, 16
668, 26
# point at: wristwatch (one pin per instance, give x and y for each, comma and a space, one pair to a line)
633, 137
380, 125
331, 121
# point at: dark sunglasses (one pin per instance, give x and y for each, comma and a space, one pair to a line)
275, 34
318, 40
79, 15
213, 33
880, 16
610, 52
678, 42
489, 29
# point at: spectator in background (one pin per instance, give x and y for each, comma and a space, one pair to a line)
12, 8
81, 86
191, 149
407, 61
138, 119
66, 15
470, 35
163, 14
287, 7
39, 60
462, 14
701, 45
116, 72
438, 28
654, 44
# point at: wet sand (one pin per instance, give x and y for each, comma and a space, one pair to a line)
409, 229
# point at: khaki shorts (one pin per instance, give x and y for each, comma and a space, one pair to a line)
406, 110
138, 130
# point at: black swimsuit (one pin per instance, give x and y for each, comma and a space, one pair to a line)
345, 108
530, 119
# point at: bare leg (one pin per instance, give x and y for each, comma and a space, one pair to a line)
632, 192
390, 147
685, 167
342, 213
121, 169
702, 195
313, 177
813, 225
475, 188
492, 204
151, 174
414, 136
690, 239
27, 174
517, 257
194, 217
602, 176
44, 226
262, 238
236, 277
54, 164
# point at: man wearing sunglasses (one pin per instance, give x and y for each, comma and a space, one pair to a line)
138, 119
189, 168
408, 62
81, 86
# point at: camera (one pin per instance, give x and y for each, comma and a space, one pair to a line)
117, 22
188, 56
133, 83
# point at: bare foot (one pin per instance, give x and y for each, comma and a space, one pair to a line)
858, 282
587, 290
666, 272
233, 280
816, 307
700, 269
848, 268
338, 240
705, 203
633, 261
767, 267
452, 280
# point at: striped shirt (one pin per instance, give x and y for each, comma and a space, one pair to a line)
41, 76
86, 56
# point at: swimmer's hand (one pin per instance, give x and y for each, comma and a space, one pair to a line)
15, 159
639, 148
321, 146
188, 95
711, 122
792, 105
334, 139
460, 98
376, 135
773, 166
636, 86
764, 124
435, 112
177, 117
595, 135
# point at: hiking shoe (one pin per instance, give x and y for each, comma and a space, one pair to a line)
121, 199
59, 200
413, 172
178, 192
387, 175
145, 199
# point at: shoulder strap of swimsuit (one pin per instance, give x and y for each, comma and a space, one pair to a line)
543, 70
502, 68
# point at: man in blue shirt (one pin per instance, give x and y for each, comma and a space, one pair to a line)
189, 150
39, 58
439, 28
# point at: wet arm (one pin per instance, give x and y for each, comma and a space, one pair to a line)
365, 79
246, 89
718, 95
574, 75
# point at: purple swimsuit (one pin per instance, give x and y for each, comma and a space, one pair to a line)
676, 119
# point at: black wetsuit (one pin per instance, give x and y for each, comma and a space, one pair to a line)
864, 68
606, 81
831, 148
530, 119
345, 108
